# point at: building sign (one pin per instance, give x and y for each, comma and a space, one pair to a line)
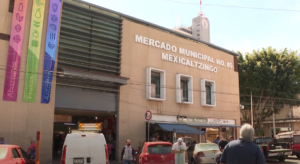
34, 48
62, 118
206, 121
192, 120
220, 121
186, 57
10, 92
51, 48
279, 125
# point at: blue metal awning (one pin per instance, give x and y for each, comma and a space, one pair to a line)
182, 129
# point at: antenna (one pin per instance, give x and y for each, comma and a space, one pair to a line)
200, 6
201, 13
177, 21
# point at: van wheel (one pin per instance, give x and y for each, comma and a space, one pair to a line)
298, 155
281, 158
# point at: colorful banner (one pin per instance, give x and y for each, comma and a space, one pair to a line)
34, 48
10, 92
51, 48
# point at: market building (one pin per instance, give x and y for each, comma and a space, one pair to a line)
69, 62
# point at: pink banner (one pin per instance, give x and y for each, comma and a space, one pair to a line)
15, 50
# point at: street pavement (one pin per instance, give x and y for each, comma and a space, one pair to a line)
290, 160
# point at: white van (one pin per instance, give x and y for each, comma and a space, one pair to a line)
85, 148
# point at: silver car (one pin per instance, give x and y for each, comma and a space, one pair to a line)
202, 153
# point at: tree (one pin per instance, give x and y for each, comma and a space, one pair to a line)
272, 76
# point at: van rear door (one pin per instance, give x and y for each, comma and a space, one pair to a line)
98, 155
78, 149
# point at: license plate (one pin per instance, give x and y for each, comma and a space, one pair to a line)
78, 161
288, 153
272, 154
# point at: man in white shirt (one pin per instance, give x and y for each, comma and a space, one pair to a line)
179, 149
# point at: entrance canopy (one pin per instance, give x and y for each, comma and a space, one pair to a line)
182, 129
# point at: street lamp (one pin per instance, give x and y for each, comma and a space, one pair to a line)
251, 113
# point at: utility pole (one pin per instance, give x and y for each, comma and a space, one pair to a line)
251, 110
274, 128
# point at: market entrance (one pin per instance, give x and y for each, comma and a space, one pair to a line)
66, 120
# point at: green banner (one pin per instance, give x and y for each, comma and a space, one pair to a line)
34, 48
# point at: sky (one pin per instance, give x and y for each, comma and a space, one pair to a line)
237, 29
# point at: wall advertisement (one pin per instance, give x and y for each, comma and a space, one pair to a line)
10, 92
34, 47
51, 48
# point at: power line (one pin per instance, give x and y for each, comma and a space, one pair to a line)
240, 7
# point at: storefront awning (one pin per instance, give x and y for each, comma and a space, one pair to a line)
182, 129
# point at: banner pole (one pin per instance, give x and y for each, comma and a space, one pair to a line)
38, 147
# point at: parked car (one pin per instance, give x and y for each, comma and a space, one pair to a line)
202, 153
156, 152
85, 147
292, 139
273, 150
13, 154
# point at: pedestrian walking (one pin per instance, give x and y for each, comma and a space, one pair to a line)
110, 147
127, 155
217, 140
2, 141
243, 150
179, 149
222, 144
31, 149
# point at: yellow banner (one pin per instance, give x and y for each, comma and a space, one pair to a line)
34, 48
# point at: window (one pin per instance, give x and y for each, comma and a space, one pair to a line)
15, 153
3, 152
155, 88
184, 89
198, 34
142, 149
296, 139
159, 149
208, 95
23, 153
155, 84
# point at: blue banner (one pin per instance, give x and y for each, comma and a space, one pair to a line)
51, 48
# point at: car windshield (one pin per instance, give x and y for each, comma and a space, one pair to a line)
159, 149
3, 152
207, 147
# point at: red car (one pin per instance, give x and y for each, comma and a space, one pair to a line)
13, 154
156, 152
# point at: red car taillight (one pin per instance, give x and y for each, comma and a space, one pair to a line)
63, 160
106, 153
267, 148
200, 154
